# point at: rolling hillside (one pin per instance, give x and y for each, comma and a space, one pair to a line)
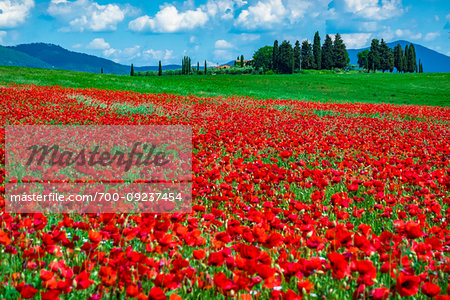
56, 57
11, 57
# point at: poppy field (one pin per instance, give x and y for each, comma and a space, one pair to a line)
291, 200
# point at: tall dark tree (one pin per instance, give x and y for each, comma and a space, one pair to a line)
374, 55
398, 58
285, 59
101, 71
384, 56
159, 69
363, 59
206, 68
132, 70
390, 60
406, 55
297, 52
242, 61
275, 56
307, 58
189, 66
420, 67
327, 53
317, 52
198, 67
405, 61
412, 63
340, 55
186, 66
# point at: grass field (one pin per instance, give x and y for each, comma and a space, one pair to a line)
418, 89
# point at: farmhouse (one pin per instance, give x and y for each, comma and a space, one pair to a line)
223, 67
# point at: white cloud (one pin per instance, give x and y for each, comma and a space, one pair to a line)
169, 19
2, 35
133, 54
264, 14
223, 55
14, 12
249, 37
431, 36
436, 18
192, 39
371, 9
163, 55
223, 8
356, 40
408, 34
86, 15
98, 44
222, 44
298, 8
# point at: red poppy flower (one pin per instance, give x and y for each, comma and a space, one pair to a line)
157, 293
413, 230
338, 265
430, 289
407, 285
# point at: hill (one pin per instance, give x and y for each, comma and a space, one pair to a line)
433, 61
11, 57
56, 57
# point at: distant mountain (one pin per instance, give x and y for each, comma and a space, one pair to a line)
11, 57
55, 57
432, 61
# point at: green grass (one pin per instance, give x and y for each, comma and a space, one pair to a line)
419, 89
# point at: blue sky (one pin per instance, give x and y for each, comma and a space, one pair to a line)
143, 32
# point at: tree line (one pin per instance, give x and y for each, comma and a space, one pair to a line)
332, 54
285, 59
382, 57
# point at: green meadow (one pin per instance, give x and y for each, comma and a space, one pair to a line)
418, 89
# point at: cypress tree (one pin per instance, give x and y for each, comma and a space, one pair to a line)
183, 65
406, 55
205, 70
374, 55
412, 63
384, 56
340, 55
132, 70
160, 69
390, 60
275, 56
420, 67
307, 58
404, 63
398, 58
317, 52
327, 53
297, 51
101, 71
189, 66
285, 59
242, 61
